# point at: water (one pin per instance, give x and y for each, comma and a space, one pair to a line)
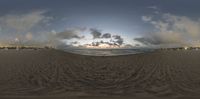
107, 52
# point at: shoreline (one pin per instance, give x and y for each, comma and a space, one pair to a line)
49, 71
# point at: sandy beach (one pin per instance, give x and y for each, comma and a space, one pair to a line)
54, 74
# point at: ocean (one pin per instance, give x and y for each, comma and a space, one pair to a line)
107, 52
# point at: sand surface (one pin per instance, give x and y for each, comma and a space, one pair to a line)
53, 74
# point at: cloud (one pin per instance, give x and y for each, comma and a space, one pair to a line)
106, 35
146, 40
102, 40
27, 29
153, 7
21, 29
75, 42
172, 30
137, 45
23, 22
156, 9
118, 39
146, 18
21, 26
63, 39
95, 33
101, 44
69, 34
128, 46
104, 44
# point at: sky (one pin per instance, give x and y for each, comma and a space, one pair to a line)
100, 23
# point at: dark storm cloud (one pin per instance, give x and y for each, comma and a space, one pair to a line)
95, 33
118, 39
106, 35
115, 40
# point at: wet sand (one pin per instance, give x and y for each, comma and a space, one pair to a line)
54, 74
